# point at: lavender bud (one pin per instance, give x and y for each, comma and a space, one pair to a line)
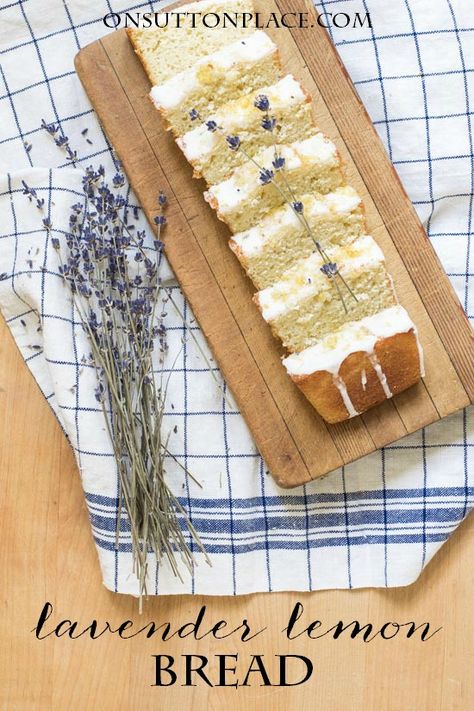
118, 180
211, 126
99, 393
49, 127
268, 123
31, 192
160, 220
298, 207
84, 291
266, 176
233, 142
162, 198
262, 103
193, 114
329, 269
278, 163
55, 243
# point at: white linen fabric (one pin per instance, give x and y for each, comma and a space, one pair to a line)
376, 522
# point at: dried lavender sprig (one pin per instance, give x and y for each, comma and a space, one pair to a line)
141, 559
234, 143
120, 323
267, 176
268, 123
200, 349
90, 180
266, 173
338, 273
32, 195
60, 139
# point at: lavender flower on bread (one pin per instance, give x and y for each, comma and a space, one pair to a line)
270, 175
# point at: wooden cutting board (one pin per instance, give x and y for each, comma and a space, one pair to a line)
295, 443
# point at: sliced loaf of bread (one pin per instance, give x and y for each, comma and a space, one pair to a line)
285, 236
306, 304
217, 78
175, 43
311, 165
359, 365
299, 230
289, 116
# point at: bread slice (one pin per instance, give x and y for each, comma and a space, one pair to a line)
312, 165
168, 49
360, 365
207, 150
352, 345
306, 305
269, 248
217, 78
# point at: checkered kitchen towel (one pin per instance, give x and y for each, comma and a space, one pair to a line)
374, 523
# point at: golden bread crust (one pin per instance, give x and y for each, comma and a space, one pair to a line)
399, 360
237, 250
134, 36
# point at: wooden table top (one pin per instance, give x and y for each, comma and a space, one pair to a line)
47, 554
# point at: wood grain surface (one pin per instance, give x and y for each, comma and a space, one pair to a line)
295, 443
47, 553
46, 547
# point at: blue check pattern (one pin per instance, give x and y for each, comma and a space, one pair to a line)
376, 522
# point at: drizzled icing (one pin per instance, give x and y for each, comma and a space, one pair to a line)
380, 374
200, 142
317, 150
341, 386
361, 335
358, 336
175, 90
340, 202
421, 355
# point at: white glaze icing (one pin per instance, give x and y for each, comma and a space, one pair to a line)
316, 150
251, 241
306, 279
380, 374
173, 92
200, 142
421, 354
355, 336
341, 386
341, 202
